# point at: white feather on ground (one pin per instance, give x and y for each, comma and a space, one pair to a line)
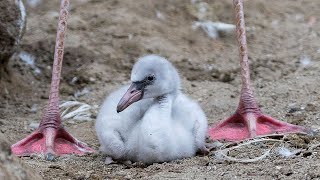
23, 18
285, 152
212, 29
29, 60
75, 110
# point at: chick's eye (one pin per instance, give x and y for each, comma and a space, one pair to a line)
150, 78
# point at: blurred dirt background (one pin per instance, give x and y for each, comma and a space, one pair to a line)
105, 38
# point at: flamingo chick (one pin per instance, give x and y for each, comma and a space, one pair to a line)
151, 120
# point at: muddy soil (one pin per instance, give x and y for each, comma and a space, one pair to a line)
105, 38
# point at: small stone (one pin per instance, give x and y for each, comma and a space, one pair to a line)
66, 90
50, 157
295, 140
44, 97
71, 122
34, 108
293, 109
205, 161
34, 125
91, 79
226, 77
311, 107
74, 80
88, 174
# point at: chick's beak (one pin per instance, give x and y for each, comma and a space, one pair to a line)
133, 94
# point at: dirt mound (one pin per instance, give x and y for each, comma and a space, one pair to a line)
11, 167
12, 26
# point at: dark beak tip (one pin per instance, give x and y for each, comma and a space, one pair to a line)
119, 109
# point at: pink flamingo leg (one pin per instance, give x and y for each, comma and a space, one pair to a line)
51, 139
248, 121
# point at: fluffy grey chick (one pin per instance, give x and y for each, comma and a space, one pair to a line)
151, 120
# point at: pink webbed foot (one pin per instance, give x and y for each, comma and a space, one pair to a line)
51, 139
248, 121
50, 142
239, 127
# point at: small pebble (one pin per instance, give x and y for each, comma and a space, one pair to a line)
34, 125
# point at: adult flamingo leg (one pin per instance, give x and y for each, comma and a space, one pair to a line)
51, 139
248, 121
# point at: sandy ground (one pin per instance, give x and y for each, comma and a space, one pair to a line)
105, 38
